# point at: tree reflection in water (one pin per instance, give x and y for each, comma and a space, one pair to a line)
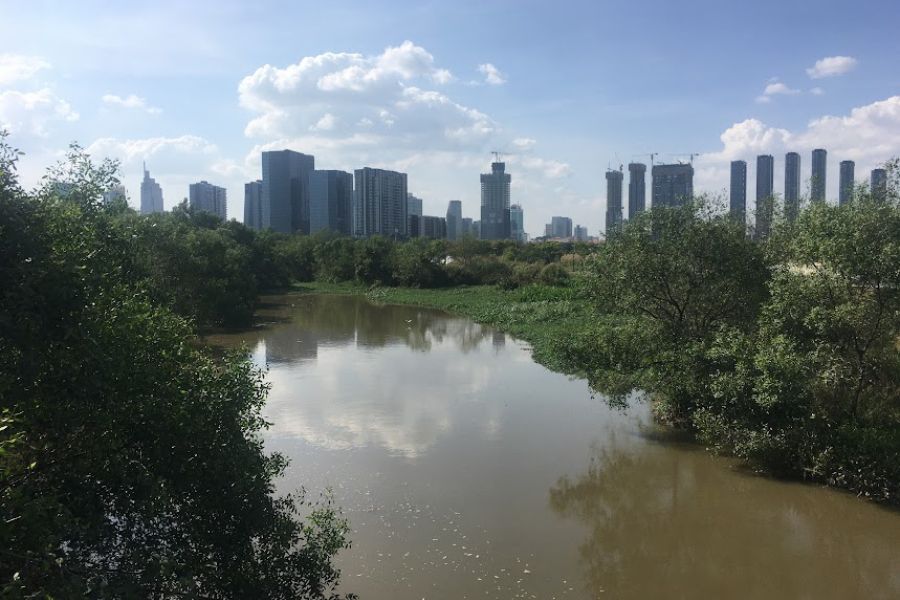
668, 521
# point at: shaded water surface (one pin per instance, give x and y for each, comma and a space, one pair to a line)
469, 471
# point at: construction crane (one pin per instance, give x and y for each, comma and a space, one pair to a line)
690, 154
652, 155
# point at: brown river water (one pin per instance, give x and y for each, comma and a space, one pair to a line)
469, 471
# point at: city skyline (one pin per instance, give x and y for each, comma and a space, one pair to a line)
391, 87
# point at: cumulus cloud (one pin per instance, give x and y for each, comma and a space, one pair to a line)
831, 66
18, 67
775, 88
869, 135
492, 75
524, 144
141, 149
31, 113
130, 101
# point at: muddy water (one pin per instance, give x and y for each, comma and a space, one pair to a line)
469, 471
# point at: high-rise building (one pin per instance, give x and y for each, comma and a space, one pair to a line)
476, 230
673, 185
331, 201
765, 194
285, 190
151, 194
495, 203
737, 199
559, 228
208, 198
380, 203
791, 186
818, 179
434, 228
454, 220
878, 184
115, 194
467, 228
581, 234
847, 181
517, 223
637, 189
253, 209
613, 201
413, 205
414, 210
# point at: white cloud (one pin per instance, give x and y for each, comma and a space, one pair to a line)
30, 113
143, 149
524, 144
351, 110
18, 67
130, 101
817, 91
869, 135
775, 88
831, 66
326, 123
492, 74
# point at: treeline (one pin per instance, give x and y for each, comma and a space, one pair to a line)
131, 461
213, 271
784, 352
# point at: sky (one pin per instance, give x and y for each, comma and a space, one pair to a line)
564, 90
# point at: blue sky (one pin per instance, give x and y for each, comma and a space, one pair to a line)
565, 89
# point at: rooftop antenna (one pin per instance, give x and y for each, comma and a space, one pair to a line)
497, 155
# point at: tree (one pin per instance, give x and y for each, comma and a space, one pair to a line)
664, 285
131, 463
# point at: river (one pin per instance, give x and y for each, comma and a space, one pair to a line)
469, 471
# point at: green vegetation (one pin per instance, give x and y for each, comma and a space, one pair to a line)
131, 463
782, 352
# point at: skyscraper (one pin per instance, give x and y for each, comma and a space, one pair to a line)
818, 179
380, 203
791, 186
414, 210
517, 223
434, 228
285, 190
454, 220
765, 194
637, 189
114, 194
253, 215
613, 201
878, 184
559, 227
208, 198
673, 185
331, 201
495, 203
151, 194
468, 229
581, 234
737, 201
845, 187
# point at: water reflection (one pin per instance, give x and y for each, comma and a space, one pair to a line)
303, 323
704, 531
364, 390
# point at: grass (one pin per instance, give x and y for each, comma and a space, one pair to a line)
546, 317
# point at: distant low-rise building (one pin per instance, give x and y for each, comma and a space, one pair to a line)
115, 194
581, 234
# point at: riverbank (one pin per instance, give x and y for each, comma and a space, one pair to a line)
546, 317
